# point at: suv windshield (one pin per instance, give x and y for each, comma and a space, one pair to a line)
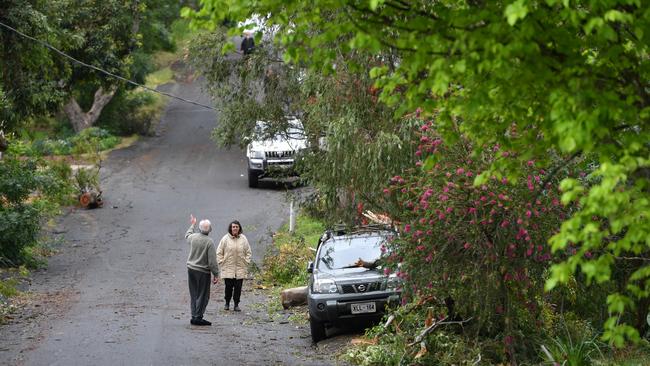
344, 252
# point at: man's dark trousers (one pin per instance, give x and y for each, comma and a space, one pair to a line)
233, 284
199, 291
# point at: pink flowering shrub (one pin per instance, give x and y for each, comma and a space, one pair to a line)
485, 246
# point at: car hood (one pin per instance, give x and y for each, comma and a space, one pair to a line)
279, 143
344, 274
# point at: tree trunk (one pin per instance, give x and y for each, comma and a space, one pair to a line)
81, 120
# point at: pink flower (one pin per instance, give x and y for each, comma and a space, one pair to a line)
528, 213
418, 163
407, 228
443, 197
450, 209
505, 223
530, 163
418, 153
467, 246
468, 174
420, 247
460, 171
448, 175
387, 271
504, 180
429, 258
386, 191
471, 210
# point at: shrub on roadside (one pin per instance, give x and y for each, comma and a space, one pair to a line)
285, 263
132, 112
29, 192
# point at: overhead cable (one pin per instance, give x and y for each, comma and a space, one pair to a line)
45, 44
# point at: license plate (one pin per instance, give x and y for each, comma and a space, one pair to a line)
366, 307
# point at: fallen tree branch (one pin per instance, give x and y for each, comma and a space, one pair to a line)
433, 326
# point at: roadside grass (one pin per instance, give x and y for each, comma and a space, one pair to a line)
10, 281
285, 264
159, 77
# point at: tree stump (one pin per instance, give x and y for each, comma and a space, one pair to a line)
91, 199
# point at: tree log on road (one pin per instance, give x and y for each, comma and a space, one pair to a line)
293, 296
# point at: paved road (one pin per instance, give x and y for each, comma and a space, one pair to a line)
117, 294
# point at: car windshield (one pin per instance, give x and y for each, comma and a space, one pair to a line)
294, 131
344, 252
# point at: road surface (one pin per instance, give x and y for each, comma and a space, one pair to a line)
116, 294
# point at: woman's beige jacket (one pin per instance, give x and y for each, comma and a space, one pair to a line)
234, 256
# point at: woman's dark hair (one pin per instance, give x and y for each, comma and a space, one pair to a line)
241, 229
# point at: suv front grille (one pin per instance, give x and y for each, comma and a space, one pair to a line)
359, 288
279, 154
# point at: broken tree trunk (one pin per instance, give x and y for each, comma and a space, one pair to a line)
81, 120
293, 297
91, 199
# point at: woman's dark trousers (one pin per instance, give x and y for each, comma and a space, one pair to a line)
199, 291
233, 284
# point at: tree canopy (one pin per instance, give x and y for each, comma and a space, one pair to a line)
535, 78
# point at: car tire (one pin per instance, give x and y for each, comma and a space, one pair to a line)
253, 178
317, 330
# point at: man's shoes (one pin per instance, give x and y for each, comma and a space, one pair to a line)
237, 308
199, 321
227, 307
203, 322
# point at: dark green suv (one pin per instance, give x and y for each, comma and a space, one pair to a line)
347, 280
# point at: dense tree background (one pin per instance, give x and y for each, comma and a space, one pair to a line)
561, 84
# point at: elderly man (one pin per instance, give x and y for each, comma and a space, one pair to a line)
201, 261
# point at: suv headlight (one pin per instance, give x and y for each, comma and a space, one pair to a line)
254, 154
393, 283
324, 286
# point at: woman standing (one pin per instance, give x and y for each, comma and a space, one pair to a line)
233, 257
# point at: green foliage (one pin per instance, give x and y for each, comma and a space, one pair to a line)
286, 262
396, 344
132, 112
29, 72
572, 351
566, 76
28, 192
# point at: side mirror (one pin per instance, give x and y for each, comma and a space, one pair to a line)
310, 267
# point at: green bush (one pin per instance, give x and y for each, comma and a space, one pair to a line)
286, 262
29, 191
131, 112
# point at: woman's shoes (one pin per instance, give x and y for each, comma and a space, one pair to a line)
237, 308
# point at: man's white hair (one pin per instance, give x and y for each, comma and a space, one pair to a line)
205, 226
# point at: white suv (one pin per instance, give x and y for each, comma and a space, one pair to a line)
274, 157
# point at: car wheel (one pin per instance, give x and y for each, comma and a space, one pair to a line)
317, 330
253, 178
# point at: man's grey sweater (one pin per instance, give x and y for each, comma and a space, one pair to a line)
203, 255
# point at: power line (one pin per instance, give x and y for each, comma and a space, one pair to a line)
45, 44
